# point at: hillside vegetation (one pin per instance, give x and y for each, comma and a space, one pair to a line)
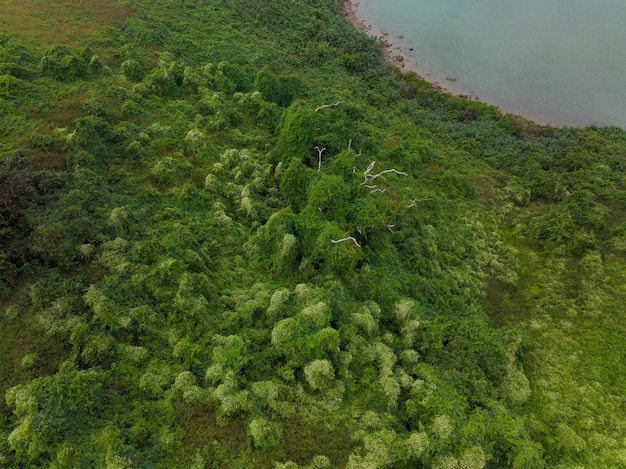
233, 236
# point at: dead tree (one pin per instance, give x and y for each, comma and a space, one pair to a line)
327, 105
319, 161
349, 238
415, 201
370, 177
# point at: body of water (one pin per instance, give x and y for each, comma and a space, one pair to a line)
560, 62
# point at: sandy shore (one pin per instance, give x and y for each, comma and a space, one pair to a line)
399, 53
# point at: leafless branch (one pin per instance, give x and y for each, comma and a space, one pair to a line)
369, 178
366, 175
415, 201
387, 171
355, 157
390, 227
349, 238
382, 191
328, 105
319, 163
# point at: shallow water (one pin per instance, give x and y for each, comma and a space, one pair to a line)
560, 62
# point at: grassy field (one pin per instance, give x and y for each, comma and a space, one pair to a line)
42, 23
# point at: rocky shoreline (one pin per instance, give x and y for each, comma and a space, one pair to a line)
401, 55
397, 53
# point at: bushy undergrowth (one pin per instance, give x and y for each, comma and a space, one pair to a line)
245, 241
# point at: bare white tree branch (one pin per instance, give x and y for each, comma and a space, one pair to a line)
415, 201
327, 105
387, 171
319, 163
382, 191
355, 157
349, 238
369, 168
369, 177
366, 175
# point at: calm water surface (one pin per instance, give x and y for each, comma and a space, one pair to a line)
561, 62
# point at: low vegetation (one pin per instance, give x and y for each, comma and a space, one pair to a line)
233, 236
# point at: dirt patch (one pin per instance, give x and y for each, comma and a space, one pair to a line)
41, 23
201, 428
64, 112
304, 440
44, 160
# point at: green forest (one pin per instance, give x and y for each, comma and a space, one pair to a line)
233, 236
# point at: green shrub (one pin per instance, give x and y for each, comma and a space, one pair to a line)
133, 70
11, 50
265, 434
233, 78
319, 374
294, 183
457, 185
61, 64
331, 195
295, 134
94, 135
278, 90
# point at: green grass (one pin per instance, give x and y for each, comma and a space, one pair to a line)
41, 23
574, 335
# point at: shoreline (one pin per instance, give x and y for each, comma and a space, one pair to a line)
400, 55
